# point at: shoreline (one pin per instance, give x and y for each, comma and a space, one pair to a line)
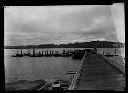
24, 85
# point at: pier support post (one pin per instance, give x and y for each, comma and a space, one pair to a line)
115, 51
42, 52
17, 51
21, 52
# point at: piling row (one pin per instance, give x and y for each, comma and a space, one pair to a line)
44, 53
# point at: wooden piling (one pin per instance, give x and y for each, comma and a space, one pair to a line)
47, 51
38, 52
17, 51
115, 51
52, 52
42, 52
21, 52
33, 51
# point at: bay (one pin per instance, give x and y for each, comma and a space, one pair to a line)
44, 68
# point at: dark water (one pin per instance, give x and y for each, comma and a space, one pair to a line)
19, 69
24, 69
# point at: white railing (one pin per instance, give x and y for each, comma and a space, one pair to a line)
77, 75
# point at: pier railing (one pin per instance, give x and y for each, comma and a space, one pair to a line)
77, 75
116, 65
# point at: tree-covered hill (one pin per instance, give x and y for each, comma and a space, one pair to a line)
92, 44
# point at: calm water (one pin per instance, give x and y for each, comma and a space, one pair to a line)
38, 68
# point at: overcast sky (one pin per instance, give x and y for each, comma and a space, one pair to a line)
29, 25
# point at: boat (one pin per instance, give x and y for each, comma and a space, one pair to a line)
71, 72
17, 55
56, 85
60, 85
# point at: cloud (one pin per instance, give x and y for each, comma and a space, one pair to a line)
56, 24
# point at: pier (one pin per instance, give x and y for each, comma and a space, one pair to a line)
97, 72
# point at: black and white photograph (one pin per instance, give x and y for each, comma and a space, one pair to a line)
64, 47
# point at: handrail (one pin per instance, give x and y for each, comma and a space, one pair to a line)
77, 75
118, 66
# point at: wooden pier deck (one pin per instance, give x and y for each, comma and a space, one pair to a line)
98, 74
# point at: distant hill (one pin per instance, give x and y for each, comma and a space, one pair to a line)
92, 44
